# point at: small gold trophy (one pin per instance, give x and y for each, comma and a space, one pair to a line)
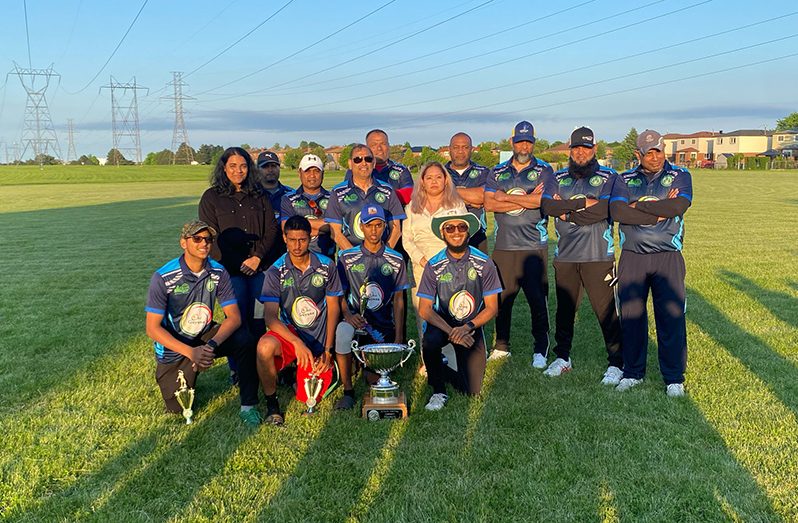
185, 397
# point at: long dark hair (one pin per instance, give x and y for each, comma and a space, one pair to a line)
222, 184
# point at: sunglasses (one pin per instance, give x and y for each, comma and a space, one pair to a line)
199, 239
358, 159
450, 228
315, 207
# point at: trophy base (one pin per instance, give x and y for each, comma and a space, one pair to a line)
376, 408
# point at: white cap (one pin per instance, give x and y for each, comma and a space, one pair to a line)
311, 160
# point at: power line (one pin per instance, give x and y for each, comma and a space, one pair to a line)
220, 53
386, 4
125, 118
38, 132
113, 53
27, 32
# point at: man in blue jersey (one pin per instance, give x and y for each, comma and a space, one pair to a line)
578, 197
512, 193
374, 279
301, 294
269, 165
469, 178
386, 170
348, 198
310, 200
180, 304
457, 297
649, 203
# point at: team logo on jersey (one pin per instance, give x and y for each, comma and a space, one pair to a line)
210, 285
380, 197
472, 274
195, 318
667, 180
395, 173
635, 182
595, 181
386, 269
473, 174
503, 176
373, 294
648, 198
461, 305
304, 311
358, 267
356, 227
567, 181
317, 280
577, 196
300, 203
532, 176
351, 197
521, 192
288, 282
181, 289
323, 203
446, 277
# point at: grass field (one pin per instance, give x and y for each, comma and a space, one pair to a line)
83, 437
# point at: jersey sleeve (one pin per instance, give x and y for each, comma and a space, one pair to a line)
406, 179
490, 279
619, 191
334, 287
333, 212
342, 276
550, 187
156, 295
606, 188
401, 278
271, 286
224, 291
395, 208
286, 209
684, 182
427, 287
490, 182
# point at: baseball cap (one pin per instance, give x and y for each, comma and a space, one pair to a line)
439, 221
193, 227
583, 137
267, 157
371, 212
523, 132
648, 140
311, 160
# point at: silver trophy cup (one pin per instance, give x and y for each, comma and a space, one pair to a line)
383, 358
313, 386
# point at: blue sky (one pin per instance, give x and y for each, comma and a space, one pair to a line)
329, 71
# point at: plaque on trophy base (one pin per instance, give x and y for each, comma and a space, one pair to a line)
384, 400
374, 411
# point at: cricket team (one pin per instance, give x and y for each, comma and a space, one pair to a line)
293, 300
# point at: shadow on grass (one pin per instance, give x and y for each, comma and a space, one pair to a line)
779, 373
780, 304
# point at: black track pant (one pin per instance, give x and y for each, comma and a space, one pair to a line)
594, 277
471, 362
663, 273
523, 270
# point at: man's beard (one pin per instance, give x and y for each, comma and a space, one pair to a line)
522, 158
580, 171
458, 250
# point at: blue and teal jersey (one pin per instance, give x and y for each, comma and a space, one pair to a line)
394, 174
473, 176
312, 207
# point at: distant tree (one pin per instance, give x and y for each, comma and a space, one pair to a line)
303, 145
505, 145
430, 155
318, 150
624, 153
87, 160
555, 143
245, 146
44, 159
788, 122
185, 154
484, 154
292, 158
207, 154
409, 159
542, 144
396, 152
114, 157
346, 153
276, 146
601, 149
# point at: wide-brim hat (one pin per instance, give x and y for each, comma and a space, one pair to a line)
469, 218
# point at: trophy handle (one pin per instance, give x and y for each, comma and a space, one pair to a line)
355, 351
411, 345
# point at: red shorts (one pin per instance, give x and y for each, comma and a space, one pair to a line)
329, 379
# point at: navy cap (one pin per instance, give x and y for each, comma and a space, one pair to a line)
372, 212
267, 157
583, 137
524, 132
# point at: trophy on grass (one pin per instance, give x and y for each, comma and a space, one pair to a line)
384, 399
313, 385
184, 397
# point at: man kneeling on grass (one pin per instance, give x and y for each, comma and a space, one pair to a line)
301, 294
179, 309
458, 294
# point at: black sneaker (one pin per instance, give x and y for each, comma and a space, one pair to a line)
345, 403
274, 417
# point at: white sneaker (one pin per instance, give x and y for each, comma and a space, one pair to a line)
675, 390
437, 401
539, 361
612, 376
498, 355
627, 383
558, 367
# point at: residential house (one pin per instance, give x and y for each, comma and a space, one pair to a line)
748, 142
690, 150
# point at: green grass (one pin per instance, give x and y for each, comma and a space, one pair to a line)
82, 436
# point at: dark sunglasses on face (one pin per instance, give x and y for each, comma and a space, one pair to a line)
358, 159
200, 239
450, 228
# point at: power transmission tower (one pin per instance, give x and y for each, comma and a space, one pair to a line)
38, 133
71, 154
15, 148
180, 134
125, 117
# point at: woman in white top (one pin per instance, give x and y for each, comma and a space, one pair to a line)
434, 194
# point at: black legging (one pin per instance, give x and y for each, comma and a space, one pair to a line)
471, 362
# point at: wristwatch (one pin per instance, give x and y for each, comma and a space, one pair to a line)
212, 344
470, 325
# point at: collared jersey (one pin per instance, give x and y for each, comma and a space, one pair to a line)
302, 296
634, 185
475, 175
186, 301
347, 200
522, 229
457, 287
276, 198
312, 207
373, 278
394, 174
582, 243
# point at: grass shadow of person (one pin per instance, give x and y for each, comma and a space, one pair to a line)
780, 304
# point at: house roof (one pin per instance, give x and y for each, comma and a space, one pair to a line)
699, 134
688, 150
747, 132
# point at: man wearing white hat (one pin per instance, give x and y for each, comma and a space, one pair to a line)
310, 200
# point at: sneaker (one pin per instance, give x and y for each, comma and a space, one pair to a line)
539, 361
612, 376
250, 417
627, 383
498, 354
437, 401
558, 367
274, 417
345, 403
675, 390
